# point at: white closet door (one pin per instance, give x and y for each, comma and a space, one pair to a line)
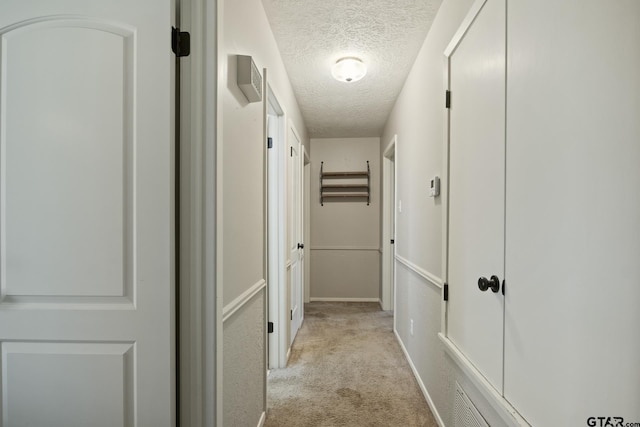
295, 233
86, 206
476, 190
572, 345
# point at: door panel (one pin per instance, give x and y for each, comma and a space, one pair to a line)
86, 232
476, 190
67, 165
35, 372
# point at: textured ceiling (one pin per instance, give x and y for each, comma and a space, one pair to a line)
313, 34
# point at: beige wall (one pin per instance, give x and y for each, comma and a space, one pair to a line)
418, 120
345, 233
244, 30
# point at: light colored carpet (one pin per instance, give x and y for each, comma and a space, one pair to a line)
346, 369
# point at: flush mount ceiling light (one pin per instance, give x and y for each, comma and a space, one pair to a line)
349, 70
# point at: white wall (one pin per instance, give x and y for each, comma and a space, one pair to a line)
345, 257
245, 31
418, 120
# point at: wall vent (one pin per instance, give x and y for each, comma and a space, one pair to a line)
249, 79
465, 413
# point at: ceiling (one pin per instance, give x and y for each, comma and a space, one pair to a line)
313, 34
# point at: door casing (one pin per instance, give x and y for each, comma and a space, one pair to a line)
388, 224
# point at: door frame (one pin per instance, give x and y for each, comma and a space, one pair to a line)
388, 224
276, 236
306, 230
200, 345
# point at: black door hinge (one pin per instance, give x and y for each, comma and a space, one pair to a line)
447, 99
393, 241
180, 42
291, 314
269, 142
269, 327
504, 285
291, 151
445, 292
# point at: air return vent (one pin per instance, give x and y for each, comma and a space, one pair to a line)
465, 413
249, 79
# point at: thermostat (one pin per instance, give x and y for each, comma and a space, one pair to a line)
434, 187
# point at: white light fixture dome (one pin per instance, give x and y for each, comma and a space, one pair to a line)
349, 70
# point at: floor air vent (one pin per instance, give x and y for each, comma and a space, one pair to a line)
465, 413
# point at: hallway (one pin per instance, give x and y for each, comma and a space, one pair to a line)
346, 369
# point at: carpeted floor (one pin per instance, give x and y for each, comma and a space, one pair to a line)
346, 369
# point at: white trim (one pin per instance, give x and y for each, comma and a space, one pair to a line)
430, 277
217, 67
390, 147
444, 195
313, 299
201, 129
507, 412
191, 369
345, 248
306, 229
464, 27
307, 159
263, 418
265, 230
389, 188
242, 299
423, 388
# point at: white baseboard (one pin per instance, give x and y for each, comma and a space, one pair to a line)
434, 411
312, 299
263, 418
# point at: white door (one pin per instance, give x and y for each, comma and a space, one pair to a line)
295, 233
476, 190
86, 243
